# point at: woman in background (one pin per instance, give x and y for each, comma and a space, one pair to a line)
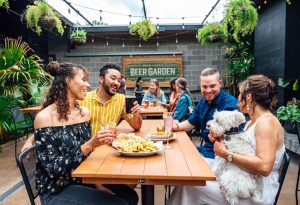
185, 103
138, 89
154, 93
173, 96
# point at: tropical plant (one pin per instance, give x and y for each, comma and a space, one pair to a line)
290, 113
211, 33
292, 84
42, 15
17, 68
4, 3
78, 36
145, 29
38, 90
240, 19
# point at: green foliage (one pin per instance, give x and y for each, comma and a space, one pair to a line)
290, 113
292, 84
211, 33
17, 68
145, 29
240, 19
38, 90
78, 33
4, 3
34, 14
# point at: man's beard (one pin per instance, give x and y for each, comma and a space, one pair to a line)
107, 90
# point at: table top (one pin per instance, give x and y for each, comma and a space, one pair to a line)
182, 165
32, 109
153, 111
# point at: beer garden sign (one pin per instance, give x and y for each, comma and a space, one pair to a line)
162, 68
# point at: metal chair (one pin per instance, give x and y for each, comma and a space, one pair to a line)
26, 163
298, 176
282, 172
21, 125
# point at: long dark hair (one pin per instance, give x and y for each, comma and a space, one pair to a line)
138, 79
183, 84
58, 91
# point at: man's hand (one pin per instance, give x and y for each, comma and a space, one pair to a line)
136, 109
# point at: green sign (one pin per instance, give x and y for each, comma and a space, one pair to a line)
152, 70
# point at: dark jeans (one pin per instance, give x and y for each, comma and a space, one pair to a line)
85, 194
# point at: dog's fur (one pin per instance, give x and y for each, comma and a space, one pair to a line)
234, 182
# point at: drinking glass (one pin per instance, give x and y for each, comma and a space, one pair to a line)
129, 103
154, 103
109, 126
168, 124
146, 103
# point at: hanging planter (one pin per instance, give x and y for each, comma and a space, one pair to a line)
4, 4
42, 16
145, 29
78, 36
210, 33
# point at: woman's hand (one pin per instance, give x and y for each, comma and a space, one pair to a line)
220, 149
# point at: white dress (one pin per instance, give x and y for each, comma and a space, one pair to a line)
212, 195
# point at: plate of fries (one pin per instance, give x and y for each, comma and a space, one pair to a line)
138, 147
161, 136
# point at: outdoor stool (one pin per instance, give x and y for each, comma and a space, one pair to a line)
26, 163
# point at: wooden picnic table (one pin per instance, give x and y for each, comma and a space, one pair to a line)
31, 109
152, 111
181, 165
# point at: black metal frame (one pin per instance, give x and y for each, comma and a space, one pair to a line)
282, 172
24, 174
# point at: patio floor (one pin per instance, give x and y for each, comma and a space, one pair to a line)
12, 191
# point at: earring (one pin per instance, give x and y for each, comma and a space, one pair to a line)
247, 107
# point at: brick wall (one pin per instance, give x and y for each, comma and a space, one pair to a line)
196, 57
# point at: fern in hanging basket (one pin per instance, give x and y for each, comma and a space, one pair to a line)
240, 19
78, 36
145, 29
4, 3
210, 33
42, 15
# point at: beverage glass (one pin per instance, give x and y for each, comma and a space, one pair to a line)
168, 124
110, 126
154, 103
130, 103
146, 103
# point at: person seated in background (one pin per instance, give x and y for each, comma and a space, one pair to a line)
138, 89
173, 96
122, 88
63, 141
257, 97
185, 103
154, 93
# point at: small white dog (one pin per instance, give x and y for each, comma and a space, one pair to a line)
234, 182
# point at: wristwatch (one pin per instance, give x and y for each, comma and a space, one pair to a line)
229, 157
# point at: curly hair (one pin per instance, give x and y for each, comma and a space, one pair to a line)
59, 88
263, 91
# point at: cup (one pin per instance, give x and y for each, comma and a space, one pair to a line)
168, 121
129, 103
146, 103
154, 103
110, 126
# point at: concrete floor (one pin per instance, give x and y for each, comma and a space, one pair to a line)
10, 176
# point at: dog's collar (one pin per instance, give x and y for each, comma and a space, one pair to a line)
232, 131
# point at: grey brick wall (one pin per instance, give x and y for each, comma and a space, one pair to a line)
196, 57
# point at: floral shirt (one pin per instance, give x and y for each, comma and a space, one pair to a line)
58, 154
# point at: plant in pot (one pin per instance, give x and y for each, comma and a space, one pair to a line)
78, 36
211, 33
145, 29
42, 15
290, 114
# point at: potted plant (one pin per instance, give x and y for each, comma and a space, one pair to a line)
4, 3
42, 15
210, 33
78, 36
145, 29
290, 114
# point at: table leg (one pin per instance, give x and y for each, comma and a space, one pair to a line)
147, 194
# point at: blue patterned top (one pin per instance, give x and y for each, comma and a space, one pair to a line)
151, 96
184, 102
204, 112
58, 154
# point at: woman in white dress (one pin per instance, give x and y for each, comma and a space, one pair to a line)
257, 95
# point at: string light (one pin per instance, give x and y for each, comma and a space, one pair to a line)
176, 41
123, 44
259, 7
183, 23
100, 16
129, 20
140, 44
93, 40
157, 24
69, 11
157, 42
106, 41
265, 2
